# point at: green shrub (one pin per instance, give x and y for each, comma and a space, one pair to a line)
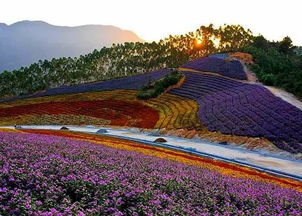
153, 90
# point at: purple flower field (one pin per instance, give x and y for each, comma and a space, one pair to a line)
132, 82
232, 107
47, 175
232, 69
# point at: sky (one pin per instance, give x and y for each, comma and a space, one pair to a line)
156, 19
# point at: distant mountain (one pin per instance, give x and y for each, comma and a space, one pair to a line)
26, 42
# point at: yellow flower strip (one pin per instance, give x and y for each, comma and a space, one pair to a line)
53, 119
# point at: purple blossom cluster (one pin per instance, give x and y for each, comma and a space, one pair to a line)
232, 68
236, 108
48, 175
132, 82
220, 55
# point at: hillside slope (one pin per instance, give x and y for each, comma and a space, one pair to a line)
26, 42
212, 105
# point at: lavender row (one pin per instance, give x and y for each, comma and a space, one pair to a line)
48, 175
232, 68
220, 55
242, 109
133, 82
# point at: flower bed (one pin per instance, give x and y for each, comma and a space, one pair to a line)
232, 107
221, 167
48, 175
119, 113
175, 112
220, 55
228, 68
61, 119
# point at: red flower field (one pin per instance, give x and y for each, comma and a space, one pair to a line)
119, 113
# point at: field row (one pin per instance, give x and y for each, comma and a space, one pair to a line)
119, 113
132, 82
228, 68
53, 120
244, 57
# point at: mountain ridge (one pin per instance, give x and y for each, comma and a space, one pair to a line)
26, 42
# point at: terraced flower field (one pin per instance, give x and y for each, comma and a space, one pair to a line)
169, 111
217, 106
53, 175
119, 107
218, 64
242, 109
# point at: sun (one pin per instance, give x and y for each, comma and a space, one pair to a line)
198, 42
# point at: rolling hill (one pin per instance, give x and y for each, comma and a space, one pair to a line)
26, 42
215, 101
